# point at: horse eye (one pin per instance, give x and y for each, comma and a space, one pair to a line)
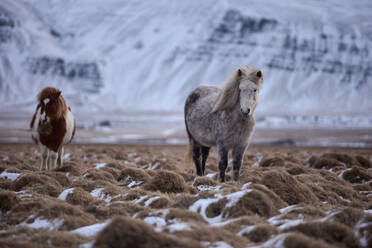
255, 90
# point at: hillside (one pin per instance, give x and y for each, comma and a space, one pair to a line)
137, 56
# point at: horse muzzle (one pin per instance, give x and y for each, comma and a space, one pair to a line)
245, 113
44, 122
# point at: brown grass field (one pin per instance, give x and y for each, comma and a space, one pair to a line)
146, 196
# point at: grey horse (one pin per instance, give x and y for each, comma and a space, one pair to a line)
223, 118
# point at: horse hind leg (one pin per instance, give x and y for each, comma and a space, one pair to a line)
196, 152
222, 152
204, 152
44, 157
59, 158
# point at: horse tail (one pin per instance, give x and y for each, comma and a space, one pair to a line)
34, 117
188, 156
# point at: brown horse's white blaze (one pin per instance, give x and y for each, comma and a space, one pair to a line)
53, 125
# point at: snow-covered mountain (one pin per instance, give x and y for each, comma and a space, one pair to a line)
148, 55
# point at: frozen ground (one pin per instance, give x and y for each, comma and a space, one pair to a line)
147, 196
168, 128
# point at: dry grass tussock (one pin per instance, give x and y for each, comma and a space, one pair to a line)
288, 188
331, 232
146, 196
129, 232
167, 182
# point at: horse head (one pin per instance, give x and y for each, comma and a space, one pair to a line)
51, 103
250, 81
242, 88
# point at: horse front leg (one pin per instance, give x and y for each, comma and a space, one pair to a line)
59, 158
222, 152
238, 154
52, 160
205, 152
44, 157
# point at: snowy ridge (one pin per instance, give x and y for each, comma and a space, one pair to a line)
136, 55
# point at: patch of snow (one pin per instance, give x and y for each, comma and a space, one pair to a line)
153, 166
210, 175
117, 196
235, 197
368, 211
208, 188
202, 204
42, 223
257, 163
290, 223
157, 221
67, 174
23, 194
283, 223
87, 245
218, 244
223, 223
100, 165
179, 227
246, 185
288, 209
344, 199
66, 156
126, 162
149, 201
91, 230
137, 159
99, 194
139, 200
329, 216
65, 193
363, 236
245, 230
342, 172
130, 155
134, 183
157, 218
9, 175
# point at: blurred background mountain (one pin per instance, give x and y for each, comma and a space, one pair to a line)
126, 67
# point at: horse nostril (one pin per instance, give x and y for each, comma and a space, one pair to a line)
245, 112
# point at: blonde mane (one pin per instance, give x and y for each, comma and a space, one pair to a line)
229, 94
54, 93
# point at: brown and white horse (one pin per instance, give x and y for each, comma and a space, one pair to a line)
53, 125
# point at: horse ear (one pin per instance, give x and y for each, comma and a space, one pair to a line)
58, 93
240, 72
259, 74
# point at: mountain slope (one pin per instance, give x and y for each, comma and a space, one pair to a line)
137, 55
